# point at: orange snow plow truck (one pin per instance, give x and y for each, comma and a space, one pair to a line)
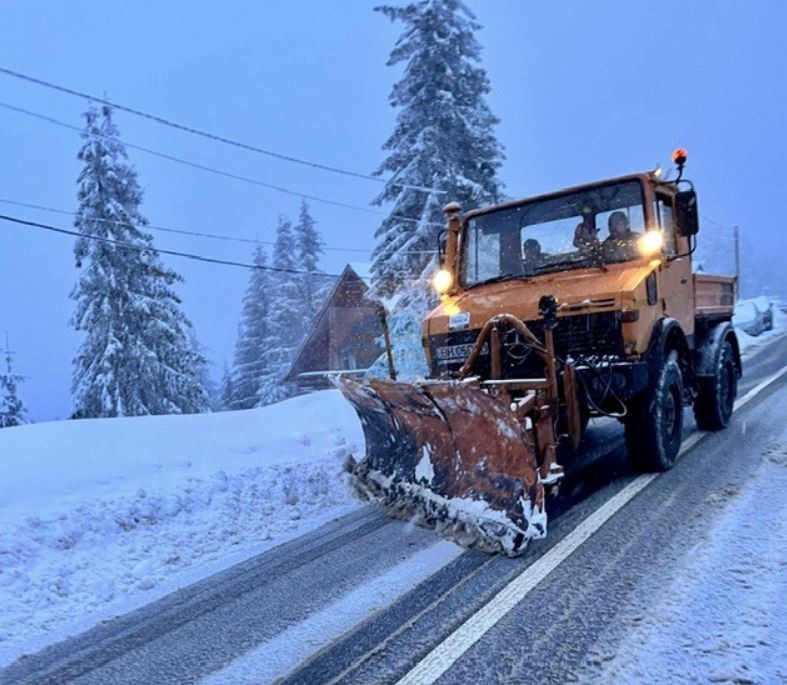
553, 309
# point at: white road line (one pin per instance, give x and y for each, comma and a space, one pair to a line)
442, 657
757, 389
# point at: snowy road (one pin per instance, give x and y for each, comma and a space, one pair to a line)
677, 585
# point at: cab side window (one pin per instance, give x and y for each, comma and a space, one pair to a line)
666, 223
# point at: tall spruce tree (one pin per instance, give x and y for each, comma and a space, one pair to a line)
286, 322
443, 137
12, 409
443, 140
309, 245
205, 373
137, 357
251, 361
227, 388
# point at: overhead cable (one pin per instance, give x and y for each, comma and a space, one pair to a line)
166, 229
209, 169
183, 231
212, 136
150, 248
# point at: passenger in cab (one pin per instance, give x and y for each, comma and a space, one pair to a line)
621, 243
532, 256
585, 233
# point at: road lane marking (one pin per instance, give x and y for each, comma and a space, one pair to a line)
757, 389
440, 659
448, 652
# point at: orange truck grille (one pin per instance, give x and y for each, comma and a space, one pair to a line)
579, 335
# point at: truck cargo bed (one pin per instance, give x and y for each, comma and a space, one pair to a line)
714, 296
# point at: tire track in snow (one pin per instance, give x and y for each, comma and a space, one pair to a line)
723, 610
99, 646
281, 654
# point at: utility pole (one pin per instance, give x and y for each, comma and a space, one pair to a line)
8, 353
737, 264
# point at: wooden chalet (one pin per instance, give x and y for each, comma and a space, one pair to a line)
344, 338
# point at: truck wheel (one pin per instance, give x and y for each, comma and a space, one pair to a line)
654, 423
716, 395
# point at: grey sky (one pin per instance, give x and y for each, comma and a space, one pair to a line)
584, 91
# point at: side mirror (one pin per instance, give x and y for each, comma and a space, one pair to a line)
687, 221
442, 239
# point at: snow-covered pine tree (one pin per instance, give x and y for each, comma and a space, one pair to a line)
137, 357
251, 361
444, 140
443, 137
205, 373
309, 243
226, 389
286, 323
12, 409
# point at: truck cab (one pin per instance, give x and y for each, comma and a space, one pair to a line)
617, 257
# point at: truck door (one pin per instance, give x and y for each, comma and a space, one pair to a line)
675, 283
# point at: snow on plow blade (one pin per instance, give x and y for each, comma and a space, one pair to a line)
449, 456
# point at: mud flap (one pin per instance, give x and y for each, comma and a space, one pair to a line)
450, 456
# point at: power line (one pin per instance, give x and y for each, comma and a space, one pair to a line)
174, 253
209, 169
195, 165
212, 136
716, 223
166, 229
183, 231
718, 236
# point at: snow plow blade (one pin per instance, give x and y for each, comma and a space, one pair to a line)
449, 456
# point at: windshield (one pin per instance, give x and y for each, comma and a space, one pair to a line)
586, 228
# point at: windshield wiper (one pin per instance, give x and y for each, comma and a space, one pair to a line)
596, 259
496, 279
555, 266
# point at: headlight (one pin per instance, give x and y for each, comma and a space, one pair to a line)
442, 281
651, 243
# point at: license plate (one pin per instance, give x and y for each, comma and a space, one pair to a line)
456, 353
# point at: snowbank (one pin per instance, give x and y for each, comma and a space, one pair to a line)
747, 312
100, 516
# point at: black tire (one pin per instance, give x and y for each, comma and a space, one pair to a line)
716, 395
654, 422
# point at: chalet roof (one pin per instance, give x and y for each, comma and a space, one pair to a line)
348, 275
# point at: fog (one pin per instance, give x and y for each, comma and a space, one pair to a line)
583, 91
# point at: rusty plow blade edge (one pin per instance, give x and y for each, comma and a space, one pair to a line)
449, 456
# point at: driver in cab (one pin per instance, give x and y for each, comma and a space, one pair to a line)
532, 256
585, 233
621, 241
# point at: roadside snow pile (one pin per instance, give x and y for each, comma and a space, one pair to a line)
100, 516
758, 321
